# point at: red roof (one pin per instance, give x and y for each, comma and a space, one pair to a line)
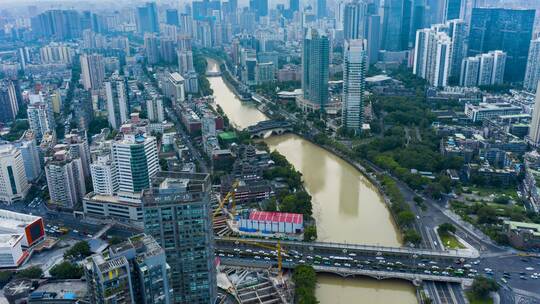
295, 218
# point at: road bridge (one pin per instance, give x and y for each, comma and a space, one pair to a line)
415, 278
340, 248
275, 126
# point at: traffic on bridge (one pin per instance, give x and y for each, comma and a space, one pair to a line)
348, 260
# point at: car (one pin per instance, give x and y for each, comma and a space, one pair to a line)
347, 265
427, 272
267, 258
504, 280
488, 270
467, 265
529, 269
337, 264
302, 262
476, 262
445, 273
75, 231
523, 277
421, 265
471, 275
434, 267
352, 254
257, 257
221, 255
379, 258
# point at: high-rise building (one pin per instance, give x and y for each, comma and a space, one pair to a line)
532, 73
483, 70
135, 156
452, 9
9, 101
134, 271
315, 64
56, 53
374, 38
457, 31
154, 109
354, 73
259, 6
104, 175
508, 30
174, 87
151, 48
321, 9
469, 72
186, 24
40, 116
396, 25
30, 155
534, 130
65, 178
13, 183
354, 20
432, 56
167, 52
147, 18
57, 24
185, 61
177, 213
117, 101
93, 71
294, 5
77, 143
171, 17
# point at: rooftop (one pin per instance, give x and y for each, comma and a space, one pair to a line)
12, 221
283, 217
533, 228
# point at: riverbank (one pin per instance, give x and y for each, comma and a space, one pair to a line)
347, 207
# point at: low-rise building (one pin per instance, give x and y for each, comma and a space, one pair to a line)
523, 235
490, 110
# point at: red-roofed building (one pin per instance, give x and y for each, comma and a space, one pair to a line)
273, 222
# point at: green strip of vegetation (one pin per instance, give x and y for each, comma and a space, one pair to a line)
305, 280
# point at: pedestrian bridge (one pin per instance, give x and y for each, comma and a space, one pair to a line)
277, 127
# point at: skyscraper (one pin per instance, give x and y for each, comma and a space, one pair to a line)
508, 30
93, 71
374, 38
135, 156
117, 101
315, 64
452, 9
354, 72
171, 16
534, 130
432, 56
151, 48
177, 214
259, 6
457, 31
354, 20
321, 9
532, 74
13, 183
9, 101
294, 5
147, 18
396, 25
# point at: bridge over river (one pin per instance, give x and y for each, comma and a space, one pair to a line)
379, 262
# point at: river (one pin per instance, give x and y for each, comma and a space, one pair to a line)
346, 206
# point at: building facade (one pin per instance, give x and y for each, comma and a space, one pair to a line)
354, 73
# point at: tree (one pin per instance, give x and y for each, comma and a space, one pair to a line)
482, 286
78, 251
5, 277
447, 228
115, 240
405, 218
411, 236
310, 233
66, 270
503, 200
486, 215
34, 272
305, 280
